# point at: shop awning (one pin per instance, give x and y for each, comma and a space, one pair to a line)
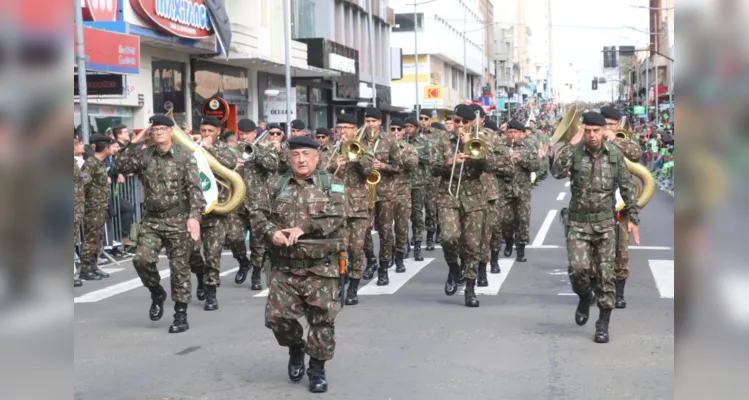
257, 63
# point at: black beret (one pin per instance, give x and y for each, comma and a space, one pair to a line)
611, 113
593, 118
322, 131
464, 111
246, 125
397, 122
347, 119
476, 107
298, 124
411, 120
490, 124
515, 124
303, 142
226, 135
272, 125
99, 138
161, 120
426, 112
372, 112
208, 120
118, 127
437, 125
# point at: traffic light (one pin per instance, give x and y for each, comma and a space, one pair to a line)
606, 59
613, 61
595, 84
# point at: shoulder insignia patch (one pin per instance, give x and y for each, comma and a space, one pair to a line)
85, 176
337, 188
193, 160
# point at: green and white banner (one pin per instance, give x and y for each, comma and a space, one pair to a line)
207, 180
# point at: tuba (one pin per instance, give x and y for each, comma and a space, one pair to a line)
229, 181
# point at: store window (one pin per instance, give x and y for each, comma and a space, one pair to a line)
229, 83
302, 104
320, 113
169, 88
101, 118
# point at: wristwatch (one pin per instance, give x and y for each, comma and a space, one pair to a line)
635, 221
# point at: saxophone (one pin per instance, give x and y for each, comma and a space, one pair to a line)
372, 180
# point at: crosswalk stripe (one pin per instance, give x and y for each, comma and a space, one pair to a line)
541, 235
495, 280
396, 280
112, 270
109, 291
663, 273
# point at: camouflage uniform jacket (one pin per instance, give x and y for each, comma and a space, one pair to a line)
160, 180
630, 149
326, 153
432, 136
472, 196
226, 157
258, 171
532, 143
410, 161
502, 165
519, 181
595, 179
96, 185
303, 204
423, 148
384, 149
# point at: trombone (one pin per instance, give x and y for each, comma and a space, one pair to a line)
248, 149
475, 148
351, 150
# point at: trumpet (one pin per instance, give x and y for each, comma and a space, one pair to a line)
248, 149
372, 180
475, 149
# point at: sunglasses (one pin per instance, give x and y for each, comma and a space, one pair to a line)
321, 136
275, 133
395, 129
458, 120
423, 118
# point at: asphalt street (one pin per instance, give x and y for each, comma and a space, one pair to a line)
404, 341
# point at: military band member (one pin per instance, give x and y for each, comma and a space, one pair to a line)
402, 192
419, 178
97, 190
597, 168
304, 204
388, 163
516, 199
633, 152
327, 148
432, 135
297, 128
173, 204
359, 221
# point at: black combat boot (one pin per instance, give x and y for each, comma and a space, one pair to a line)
295, 367
77, 282
417, 251
244, 266
408, 251
470, 294
462, 276
508, 246
437, 235
316, 375
483, 281
521, 253
602, 326
180, 319
451, 285
382, 273
495, 262
620, 302
255, 279
370, 268
399, 266
210, 298
352, 298
430, 241
89, 276
583, 309
200, 292
101, 273
158, 297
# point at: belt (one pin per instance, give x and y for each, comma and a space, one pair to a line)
302, 264
174, 212
591, 217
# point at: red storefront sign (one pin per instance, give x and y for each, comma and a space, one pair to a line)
184, 18
100, 10
111, 52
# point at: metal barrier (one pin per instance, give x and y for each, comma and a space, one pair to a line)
130, 191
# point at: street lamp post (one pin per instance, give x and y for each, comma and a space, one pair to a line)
372, 53
287, 66
416, 56
82, 83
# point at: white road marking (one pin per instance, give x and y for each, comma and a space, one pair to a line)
541, 235
223, 253
109, 291
566, 294
543, 246
567, 184
263, 293
734, 290
649, 248
227, 272
495, 280
396, 280
663, 273
561, 196
558, 273
112, 270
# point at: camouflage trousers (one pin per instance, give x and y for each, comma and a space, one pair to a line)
212, 235
517, 216
621, 269
461, 234
77, 217
171, 233
430, 208
383, 221
496, 240
257, 249
591, 247
401, 216
357, 230
543, 165
94, 221
490, 223
236, 232
291, 296
417, 213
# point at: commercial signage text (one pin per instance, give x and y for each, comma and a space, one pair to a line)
184, 18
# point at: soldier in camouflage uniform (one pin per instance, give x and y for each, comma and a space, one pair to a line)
532, 142
432, 182
212, 226
597, 168
461, 217
173, 204
402, 194
540, 138
79, 202
97, 192
516, 196
633, 152
388, 163
359, 221
237, 222
419, 178
327, 148
307, 203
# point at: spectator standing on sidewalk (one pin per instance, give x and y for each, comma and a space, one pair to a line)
126, 209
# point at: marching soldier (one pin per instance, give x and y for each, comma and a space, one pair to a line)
359, 221
305, 204
173, 204
402, 193
597, 168
388, 163
97, 190
419, 178
633, 152
432, 182
461, 217
327, 149
281, 146
516, 199
238, 222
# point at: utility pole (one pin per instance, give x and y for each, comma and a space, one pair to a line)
287, 56
465, 57
647, 81
372, 52
416, 64
655, 70
82, 83
670, 74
